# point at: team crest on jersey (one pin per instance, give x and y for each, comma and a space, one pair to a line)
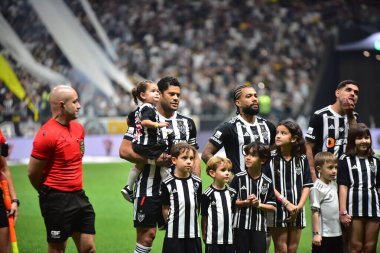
264, 189
372, 166
140, 216
81, 145
196, 186
298, 169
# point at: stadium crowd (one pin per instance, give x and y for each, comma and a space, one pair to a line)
211, 46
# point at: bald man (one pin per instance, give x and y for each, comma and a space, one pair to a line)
55, 171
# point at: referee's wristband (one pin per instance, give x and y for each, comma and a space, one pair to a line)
151, 161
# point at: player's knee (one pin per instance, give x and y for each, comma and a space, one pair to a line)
147, 238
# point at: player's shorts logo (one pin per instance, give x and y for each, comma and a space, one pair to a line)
141, 216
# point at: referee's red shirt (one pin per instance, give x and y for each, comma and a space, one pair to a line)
2, 138
63, 148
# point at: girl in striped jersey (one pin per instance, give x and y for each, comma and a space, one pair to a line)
359, 186
180, 197
289, 170
217, 205
255, 197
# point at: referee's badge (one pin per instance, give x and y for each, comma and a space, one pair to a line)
372, 166
81, 145
140, 216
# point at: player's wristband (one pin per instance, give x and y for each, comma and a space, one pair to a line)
280, 198
343, 213
286, 204
316, 233
151, 161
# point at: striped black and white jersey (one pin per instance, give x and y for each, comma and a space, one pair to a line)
218, 206
289, 179
252, 218
182, 195
234, 134
328, 131
181, 128
143, 135
362, 178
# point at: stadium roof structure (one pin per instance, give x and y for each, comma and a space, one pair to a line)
372, 42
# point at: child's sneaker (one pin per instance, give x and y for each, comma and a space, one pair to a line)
127, 193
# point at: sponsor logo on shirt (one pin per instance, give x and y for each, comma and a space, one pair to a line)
332, 127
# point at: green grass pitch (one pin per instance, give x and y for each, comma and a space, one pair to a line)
114, 228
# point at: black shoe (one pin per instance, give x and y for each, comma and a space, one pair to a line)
127, 193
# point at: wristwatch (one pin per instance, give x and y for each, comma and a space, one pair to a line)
16, 201
315, 233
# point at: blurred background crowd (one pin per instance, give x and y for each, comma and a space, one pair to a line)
211, 46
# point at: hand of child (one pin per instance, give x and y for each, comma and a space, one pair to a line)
345, 220
317, 240
163, 124
293, 212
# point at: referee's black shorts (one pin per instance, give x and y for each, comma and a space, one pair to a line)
65, 213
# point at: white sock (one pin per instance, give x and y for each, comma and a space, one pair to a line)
132, 176
141, 248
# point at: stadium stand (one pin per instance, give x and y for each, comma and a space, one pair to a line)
211, 46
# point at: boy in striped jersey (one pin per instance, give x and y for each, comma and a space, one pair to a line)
217, 205
180, 197
255, 197
328, 127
